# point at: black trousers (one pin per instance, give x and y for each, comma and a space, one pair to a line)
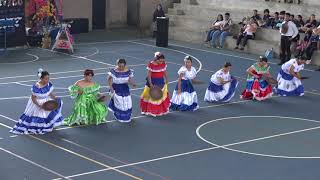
285, 52
244, 38
310, 49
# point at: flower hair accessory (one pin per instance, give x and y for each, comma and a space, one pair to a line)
40, 70
156, 54
187, 58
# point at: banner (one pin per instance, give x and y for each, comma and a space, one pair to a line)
12, 23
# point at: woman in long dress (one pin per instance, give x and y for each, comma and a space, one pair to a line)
289, 78
257, 87
121, 103
87, 109
184, 97
36, 120
222, 85
157, 76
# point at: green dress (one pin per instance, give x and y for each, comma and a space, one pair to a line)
86, 109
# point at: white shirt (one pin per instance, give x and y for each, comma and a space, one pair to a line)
187, 74
293, 62
292, 30
215, 78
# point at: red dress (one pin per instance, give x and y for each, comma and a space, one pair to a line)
147, 104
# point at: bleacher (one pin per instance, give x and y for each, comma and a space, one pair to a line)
190, 19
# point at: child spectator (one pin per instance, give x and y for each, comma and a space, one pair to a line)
214, 26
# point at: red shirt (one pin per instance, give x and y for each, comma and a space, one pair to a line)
157, 70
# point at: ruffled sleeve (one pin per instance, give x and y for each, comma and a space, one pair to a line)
131, 73
73, 90
182, 70
92, 89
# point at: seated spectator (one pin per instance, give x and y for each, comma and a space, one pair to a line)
275, 20
281, 19
266, 19
311, 23
249, 29
300, 22
313, 45
303, 44
255, 15
223, 32
214, 26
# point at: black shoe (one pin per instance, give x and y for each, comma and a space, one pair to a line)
318, 69
241, 48
236, 47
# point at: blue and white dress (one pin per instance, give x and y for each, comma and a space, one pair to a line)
289, 85
121, 103
187, 100
36, 120
217, 92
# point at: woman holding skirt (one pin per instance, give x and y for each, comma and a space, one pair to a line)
157, 76
36, 120
257, 87
121, 103
289, 78
222, 85
87, 109
184, 96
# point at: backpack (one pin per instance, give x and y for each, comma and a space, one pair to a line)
284, 28
269, 53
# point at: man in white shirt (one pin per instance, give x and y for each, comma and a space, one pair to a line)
288, 32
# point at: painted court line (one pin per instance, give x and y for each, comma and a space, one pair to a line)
112, 158
51, 73
34, 164
73, 153
63, 77
225, 54
36, 58
198, 151
79, 57
262, 138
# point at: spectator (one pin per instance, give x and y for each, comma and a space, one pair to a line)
288, 32
214, 26
295, 40
223, 32
275, 20
301, 47
311, 23
266, 19
256, 16
314, 44
157, 13
249, 29
281, 19
300, 22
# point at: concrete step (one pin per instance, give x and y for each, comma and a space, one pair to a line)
246, 6
211, 11
254, 46
199, 24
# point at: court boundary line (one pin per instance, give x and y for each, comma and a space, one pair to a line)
112, 158
36, 58
76, 154
33, 163
262, 138
200, 150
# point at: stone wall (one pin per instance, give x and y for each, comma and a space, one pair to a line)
76, 10
116, 11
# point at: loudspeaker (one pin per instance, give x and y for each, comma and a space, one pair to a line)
162, 31
78, 25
